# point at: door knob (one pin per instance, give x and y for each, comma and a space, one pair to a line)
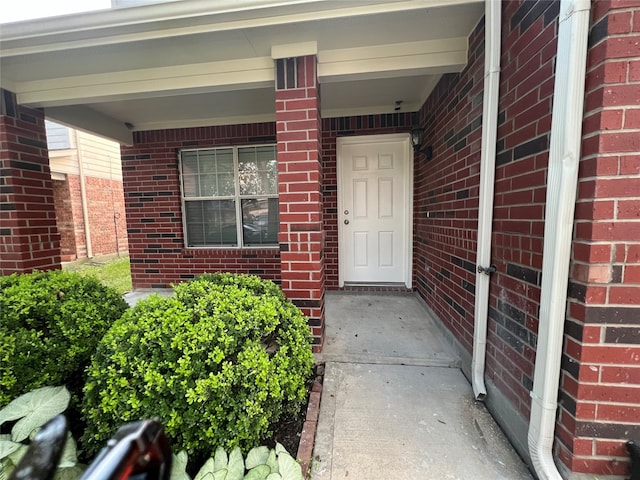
346, 222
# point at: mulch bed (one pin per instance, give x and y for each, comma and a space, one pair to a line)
297, 432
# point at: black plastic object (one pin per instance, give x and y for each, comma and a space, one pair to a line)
634, 451
487, 270
138, 450
42, 457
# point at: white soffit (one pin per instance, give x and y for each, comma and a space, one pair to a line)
91, 121
213, 108
354, 97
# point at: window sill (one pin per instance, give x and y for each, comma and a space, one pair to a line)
227, 250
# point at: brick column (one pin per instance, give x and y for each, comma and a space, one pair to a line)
600, 397
301, 235
29, 238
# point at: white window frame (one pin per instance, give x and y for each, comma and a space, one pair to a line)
236, 197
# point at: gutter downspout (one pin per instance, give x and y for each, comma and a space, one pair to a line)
487, 181
564, 156
83, 197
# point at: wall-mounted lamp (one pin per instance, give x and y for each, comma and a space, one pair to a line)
416, 141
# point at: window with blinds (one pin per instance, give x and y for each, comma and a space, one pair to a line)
230, 196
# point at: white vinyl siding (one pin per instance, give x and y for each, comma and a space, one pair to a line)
57, 136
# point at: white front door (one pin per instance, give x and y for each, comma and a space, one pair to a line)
374, 216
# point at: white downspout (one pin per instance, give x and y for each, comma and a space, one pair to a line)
564, 156
487, 180
83, 196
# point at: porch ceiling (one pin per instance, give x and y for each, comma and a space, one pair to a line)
201, 62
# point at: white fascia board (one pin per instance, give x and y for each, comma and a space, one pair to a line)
86, 31
206, 122
88, 120
291, 50
148, 83
401, 59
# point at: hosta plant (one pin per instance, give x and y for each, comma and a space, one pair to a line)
261, 463
29, 413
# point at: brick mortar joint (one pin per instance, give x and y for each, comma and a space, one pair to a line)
613, 131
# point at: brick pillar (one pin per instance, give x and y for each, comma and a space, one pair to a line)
29, 238
600, 396
301, 236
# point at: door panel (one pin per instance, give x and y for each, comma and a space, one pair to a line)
374, 211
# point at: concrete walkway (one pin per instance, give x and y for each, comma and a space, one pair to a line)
395, 404
135, 296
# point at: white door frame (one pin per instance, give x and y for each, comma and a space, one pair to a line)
408, 246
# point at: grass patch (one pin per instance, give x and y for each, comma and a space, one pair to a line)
114, 272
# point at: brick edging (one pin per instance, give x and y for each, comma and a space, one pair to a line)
308, 434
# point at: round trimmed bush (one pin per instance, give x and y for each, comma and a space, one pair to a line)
219, 364
50, 325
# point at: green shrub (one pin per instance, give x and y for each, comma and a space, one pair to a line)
218, 364
50, 325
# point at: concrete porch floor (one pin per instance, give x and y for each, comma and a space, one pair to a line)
394, 402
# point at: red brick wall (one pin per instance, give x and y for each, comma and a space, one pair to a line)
29, 237
600, 391
64, 219
447, 188
299, 186
105, 199
529, 43
154, 216
78, 216
332, 128
600, 404
151, 166
446, 194
107, 220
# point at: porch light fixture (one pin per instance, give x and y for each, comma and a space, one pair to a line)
416, 140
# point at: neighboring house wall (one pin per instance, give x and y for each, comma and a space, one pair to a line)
103, 186
154, 211
64, 217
